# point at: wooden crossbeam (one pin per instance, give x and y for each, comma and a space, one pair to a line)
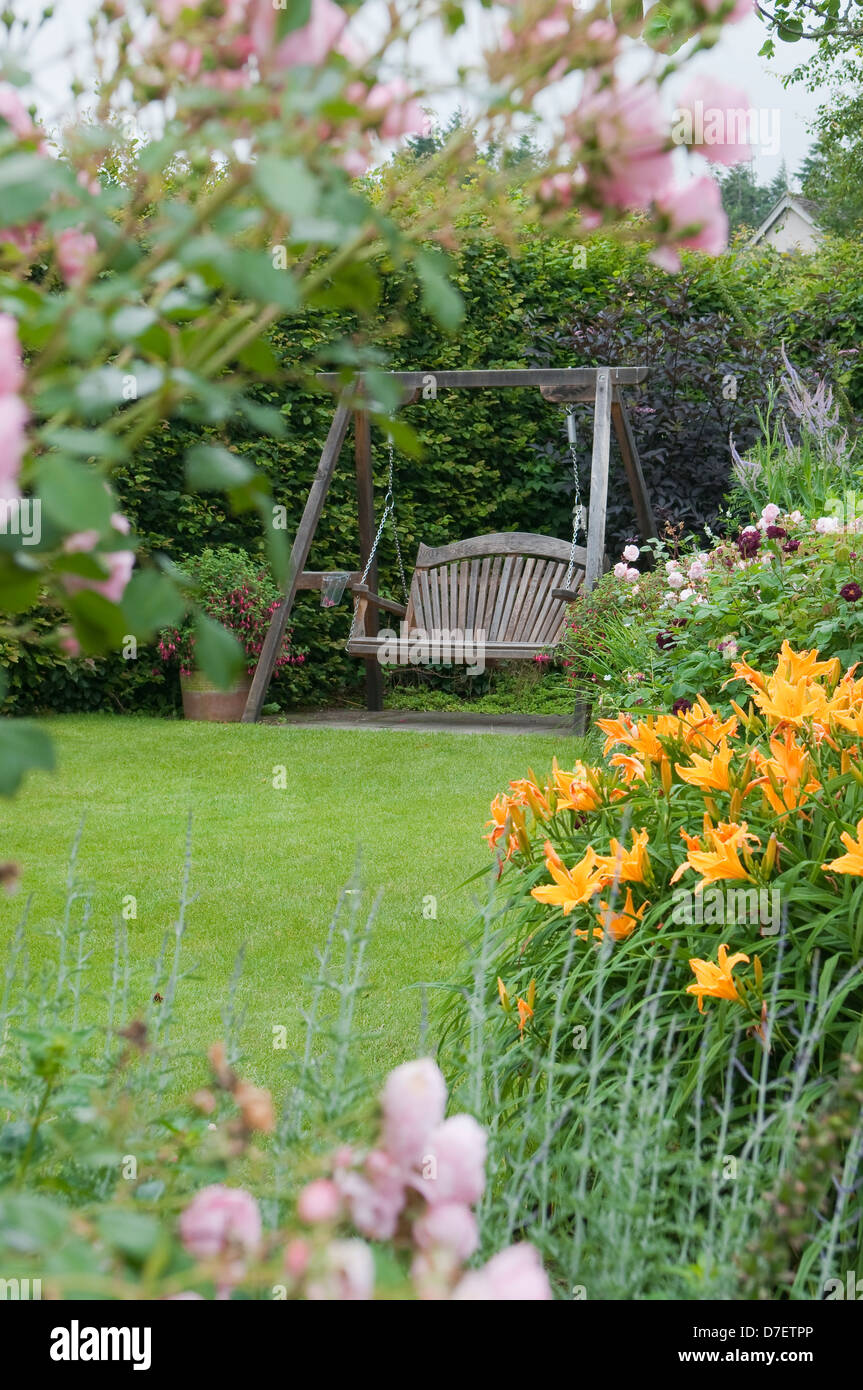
573, 378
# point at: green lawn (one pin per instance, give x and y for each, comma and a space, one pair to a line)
267, 864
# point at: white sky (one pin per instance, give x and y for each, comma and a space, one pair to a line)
734, 60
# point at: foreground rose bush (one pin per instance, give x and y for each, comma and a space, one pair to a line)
140, 275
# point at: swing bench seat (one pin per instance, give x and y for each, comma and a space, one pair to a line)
507, 586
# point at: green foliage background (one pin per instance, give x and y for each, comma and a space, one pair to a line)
487, 461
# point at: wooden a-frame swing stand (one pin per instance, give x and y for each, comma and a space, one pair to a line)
521, 594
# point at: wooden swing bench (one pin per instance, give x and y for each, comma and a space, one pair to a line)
513, 587
504, 589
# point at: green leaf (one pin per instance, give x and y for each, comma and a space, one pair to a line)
29, 1222
286, 185
210, 468
293, 15
99, 624
441, 299
217, 652
23, 746
75, 496
151, 601
133, 1232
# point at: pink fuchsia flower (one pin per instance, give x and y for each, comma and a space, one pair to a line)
11, 369
401, 113
694, 218
514, 1275
13, 421
621, 133
320, 1201
454, 1165
15, 114
631, 553
75, 249
449, 1226
316, 40
413, 1102
348, 1273
713, 119
221, 1220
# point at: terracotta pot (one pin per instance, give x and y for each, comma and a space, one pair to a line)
202, 699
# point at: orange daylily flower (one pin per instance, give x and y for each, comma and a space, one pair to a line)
852, 862
618, 924
627, 865
715, 981
702, 726
573, 886
791, 702
794, 666
524, 1013
527, 793
719, 860
786, 780
575, 790
499, 812
710, 774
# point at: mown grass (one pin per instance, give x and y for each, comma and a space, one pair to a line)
267, 863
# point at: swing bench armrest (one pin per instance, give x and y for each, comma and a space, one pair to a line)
389, 605
567, 595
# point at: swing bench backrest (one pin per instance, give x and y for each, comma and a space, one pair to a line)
507, 585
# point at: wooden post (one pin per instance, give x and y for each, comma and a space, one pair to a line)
598, 480
299, 554
366, 517
632, 465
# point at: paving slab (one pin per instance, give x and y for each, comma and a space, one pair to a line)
428, 721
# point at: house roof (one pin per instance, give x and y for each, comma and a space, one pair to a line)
804, 207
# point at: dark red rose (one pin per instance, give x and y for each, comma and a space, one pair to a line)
681, 706
790, 546
851, 592
664, 640
749, 543
776, 533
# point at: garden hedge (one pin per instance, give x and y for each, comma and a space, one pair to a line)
490, 461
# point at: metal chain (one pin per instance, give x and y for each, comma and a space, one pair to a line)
388, 512
572, 436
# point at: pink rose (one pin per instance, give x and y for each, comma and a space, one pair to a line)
221, 1220
11, 370
696, 219
377, 1197
13, 421
514, 1275
632, 164
449, 1226
15, 114
74, 251
714, 119
348, 1273
316, 40
413, 1102
319, 1201
402, 115
454, 1164
742, 9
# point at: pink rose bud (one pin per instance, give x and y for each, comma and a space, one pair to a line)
320, 1201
